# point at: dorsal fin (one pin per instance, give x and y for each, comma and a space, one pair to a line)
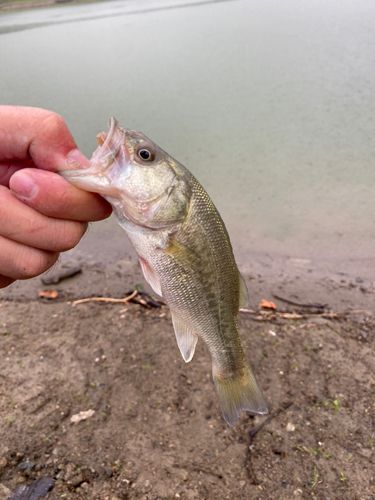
186, 338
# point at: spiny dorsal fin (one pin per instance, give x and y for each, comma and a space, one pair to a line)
150, 276
244, 296
186, 338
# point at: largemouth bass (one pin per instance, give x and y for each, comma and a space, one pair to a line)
184, 251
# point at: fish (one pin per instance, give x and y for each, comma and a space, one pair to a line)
184, 251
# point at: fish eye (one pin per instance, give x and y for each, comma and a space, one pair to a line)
146, 154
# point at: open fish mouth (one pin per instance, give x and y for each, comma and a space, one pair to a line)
104, 156
105, 163
109, 144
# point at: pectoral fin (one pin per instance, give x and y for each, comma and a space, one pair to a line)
186, 257
244, 296
186, 338
150, 276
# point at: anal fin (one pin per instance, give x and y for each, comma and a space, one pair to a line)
150, 276
186, 338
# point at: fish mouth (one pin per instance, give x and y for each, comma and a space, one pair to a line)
109, 144
96, 177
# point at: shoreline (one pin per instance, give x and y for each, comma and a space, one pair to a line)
32, 4
110, 267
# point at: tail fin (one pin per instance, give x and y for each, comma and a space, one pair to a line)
238, 392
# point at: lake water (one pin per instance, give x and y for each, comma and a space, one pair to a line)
270, 104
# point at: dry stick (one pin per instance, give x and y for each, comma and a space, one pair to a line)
252, 434
287, 301
292, 315
105, 299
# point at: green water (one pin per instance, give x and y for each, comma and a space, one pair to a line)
270, 104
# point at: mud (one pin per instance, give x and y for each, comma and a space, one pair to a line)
157, 431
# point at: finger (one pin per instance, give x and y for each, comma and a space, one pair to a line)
19, 262
53, 196
23, 224
37, 134
5, 281
7, 170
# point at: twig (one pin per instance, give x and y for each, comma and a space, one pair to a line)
292, 315
252, 434
105, 299
147, 300
299, 304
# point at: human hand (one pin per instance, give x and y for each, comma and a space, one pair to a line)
41, 214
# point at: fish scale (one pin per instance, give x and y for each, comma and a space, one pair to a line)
185, 254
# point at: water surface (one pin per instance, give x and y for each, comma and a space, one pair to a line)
270, 104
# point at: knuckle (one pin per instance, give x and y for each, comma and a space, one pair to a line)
54, 121
63, 202
34, 262
71, 233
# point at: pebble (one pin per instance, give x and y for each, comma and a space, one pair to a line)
290, 427
4, 491
3, 463
365, 452
26, 465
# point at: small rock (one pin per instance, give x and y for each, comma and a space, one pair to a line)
26, 465
73, 475
108, 471
3, 463
82, 415
365, 452
242, 483
290, 427
4, 491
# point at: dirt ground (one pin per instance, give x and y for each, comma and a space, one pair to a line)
157, 432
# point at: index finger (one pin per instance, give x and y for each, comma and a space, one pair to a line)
38, 135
